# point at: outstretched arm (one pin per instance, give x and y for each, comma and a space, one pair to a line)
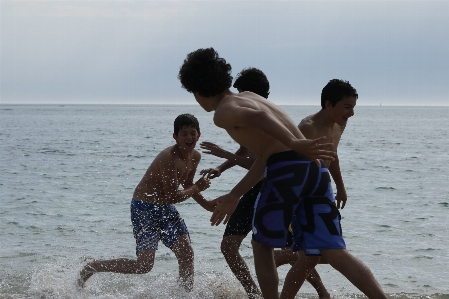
202, 184
334, 170
170, 183
236, 116
226, 204
240, 158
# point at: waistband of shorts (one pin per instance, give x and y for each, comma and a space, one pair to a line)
144, 204
286, 156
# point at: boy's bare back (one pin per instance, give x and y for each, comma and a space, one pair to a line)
240, 116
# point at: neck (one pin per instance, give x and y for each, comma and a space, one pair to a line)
216, 100
322, 117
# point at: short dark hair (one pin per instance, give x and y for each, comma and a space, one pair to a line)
335, 91
186, 120
204, 72
254, 80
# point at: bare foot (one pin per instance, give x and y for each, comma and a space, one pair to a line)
85, 274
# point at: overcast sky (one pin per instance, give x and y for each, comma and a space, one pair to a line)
65, 52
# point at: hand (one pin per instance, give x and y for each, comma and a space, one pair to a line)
313, 149
209, 205
210, 173
203, 183
226, 205
213, 149
341, 197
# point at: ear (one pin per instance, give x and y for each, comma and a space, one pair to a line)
175, 137
199, 134
328, 104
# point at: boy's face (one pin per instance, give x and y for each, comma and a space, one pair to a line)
187, 138
343, 110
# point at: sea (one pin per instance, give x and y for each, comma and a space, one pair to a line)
67, 175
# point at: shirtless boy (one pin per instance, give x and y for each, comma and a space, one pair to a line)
239, 225
153, 213
338, 99
297, 184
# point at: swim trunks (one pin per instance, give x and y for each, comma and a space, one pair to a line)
240, 222
152, 222
296, 191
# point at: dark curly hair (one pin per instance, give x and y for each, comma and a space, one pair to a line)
185, 120
204, 72
335, 91
254, 80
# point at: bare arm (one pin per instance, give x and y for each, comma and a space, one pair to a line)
198, 197
240, 158
236, 116
334, 170
171, 194
226, 204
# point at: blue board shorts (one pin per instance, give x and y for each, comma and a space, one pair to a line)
297, 192
153, 222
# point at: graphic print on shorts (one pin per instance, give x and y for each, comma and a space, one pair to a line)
297, 192
284, 184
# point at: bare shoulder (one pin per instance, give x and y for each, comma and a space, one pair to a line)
196, 156
306, 121
308, 126
166, 158
231, 106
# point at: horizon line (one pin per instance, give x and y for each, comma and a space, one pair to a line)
184, 104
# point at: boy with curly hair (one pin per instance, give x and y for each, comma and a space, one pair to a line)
239, 224
296, 181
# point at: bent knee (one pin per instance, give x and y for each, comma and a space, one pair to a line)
228, 246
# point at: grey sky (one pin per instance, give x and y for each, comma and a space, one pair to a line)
392, 52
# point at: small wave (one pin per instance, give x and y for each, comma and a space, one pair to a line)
427, 249
385, 188
423, 257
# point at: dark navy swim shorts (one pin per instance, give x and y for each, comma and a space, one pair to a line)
152, 223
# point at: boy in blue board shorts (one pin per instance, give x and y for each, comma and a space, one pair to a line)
338, 99
153, 213
240, 222
293, 173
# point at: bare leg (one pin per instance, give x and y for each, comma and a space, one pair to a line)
355, 271
184, 253
143, 264
266, 271
298, 274
287, 256
315, 280
230, 248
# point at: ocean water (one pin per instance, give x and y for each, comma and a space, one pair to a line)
68, 174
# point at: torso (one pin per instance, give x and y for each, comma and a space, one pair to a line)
312, 128
167, 165
259, 143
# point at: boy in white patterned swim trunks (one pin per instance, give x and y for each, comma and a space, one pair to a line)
153, 214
